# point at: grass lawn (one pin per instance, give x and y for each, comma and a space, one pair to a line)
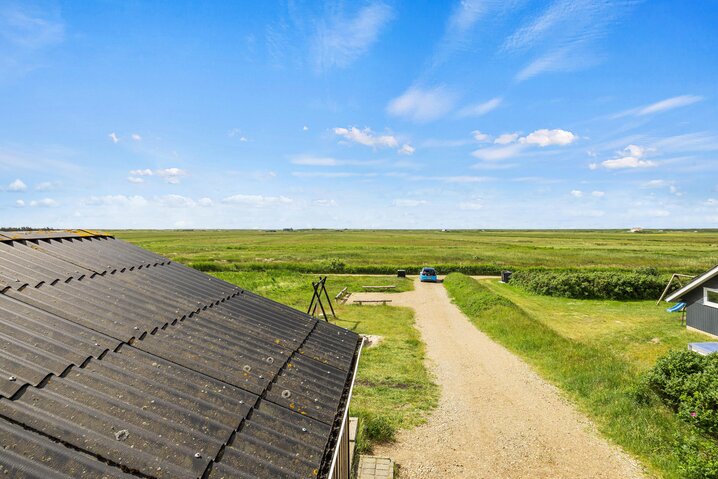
595, 351
393, 389
374, 251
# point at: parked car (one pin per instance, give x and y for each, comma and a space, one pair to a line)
428, 275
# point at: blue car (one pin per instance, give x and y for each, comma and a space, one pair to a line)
427, 275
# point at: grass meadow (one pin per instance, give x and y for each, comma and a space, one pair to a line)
383, 251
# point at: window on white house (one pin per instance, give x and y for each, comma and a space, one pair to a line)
710, 297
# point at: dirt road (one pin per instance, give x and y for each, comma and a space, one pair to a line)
496, 418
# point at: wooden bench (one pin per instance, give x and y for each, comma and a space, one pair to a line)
362, 301
341, 293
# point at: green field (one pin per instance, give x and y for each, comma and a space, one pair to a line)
596, 351
367, 251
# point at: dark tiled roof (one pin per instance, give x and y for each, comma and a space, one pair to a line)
116, 362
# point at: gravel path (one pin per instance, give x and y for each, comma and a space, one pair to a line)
496, 418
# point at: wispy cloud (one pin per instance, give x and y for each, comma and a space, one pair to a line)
339, 40
310, 160
28, 28
421, 104
661, 106
171, 175
408, 203
480, 109
257, 200
562, 36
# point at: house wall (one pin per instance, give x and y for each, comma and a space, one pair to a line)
699, 316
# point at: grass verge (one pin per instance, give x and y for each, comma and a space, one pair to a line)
393, 389
603, 384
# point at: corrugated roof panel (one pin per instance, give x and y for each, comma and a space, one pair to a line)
27, 455
183, 395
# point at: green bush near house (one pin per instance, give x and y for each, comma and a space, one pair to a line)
642, 284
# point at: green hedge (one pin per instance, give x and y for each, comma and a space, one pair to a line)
334, 265
639, 284
688, 384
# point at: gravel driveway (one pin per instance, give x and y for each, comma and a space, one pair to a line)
496, 417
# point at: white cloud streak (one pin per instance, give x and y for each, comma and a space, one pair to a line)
340, 41
480, 109
422, 105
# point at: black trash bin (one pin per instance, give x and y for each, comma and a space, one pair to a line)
505, 276
401, 273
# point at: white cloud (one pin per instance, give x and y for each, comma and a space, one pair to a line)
577, 193
675, 191
593, 166
661, 106
631, 157
176, 201
481, 137
116, 200
20, 203
628, 162
711, 202
323, 202
305, 128
171, 175
243, 139
257, 200
669, 104
45, 203
367, 137
563, 35
407, 149
545, 137
46, 186
205, 202
340, 41
409, 203
17, 185
480, 109
145, 172
656, 184
497, 153
113, 136
598, 194
465, 15
136, 137
471, 205
422, 105
506, 138
330, 174
135, 179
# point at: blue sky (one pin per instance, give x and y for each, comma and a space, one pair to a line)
379, 114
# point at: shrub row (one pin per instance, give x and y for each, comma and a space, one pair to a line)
338, 266
688, 383
640, 284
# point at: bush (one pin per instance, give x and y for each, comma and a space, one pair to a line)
591, 284
688, 383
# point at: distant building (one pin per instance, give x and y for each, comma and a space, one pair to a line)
636, 229
701, 298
